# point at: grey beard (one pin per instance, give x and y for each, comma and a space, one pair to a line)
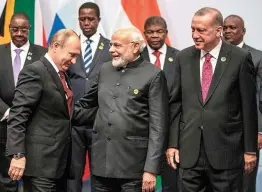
121, 62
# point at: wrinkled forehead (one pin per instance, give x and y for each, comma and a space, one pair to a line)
120, 37
19, 21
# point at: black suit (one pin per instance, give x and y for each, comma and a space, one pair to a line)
7, 89
250, 179
81, 83
130, 125
217, 132
39, 123
168, 174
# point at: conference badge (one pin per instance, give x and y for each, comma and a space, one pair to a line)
136, 91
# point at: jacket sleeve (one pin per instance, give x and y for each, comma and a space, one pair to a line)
86, 108
175, 102
27, 94
247, 87
158, 123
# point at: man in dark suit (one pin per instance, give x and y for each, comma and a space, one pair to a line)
213, 133
9, 70
94, 52
163, 56
39, 124
234, 31
130, 126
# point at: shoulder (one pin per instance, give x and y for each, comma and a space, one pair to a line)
172, 49
105, 40
4, 46
39, 48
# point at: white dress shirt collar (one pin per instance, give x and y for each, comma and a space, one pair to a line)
24, 48
162, 50
95, 38
52, 62
240, 45
214, 52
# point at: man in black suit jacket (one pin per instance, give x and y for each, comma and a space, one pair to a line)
130, 126
39, 124
234, 31
89, 17
213, 133
19, 32
155, 31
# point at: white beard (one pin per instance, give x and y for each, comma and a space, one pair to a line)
121, 62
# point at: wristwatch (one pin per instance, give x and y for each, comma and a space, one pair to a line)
18, 155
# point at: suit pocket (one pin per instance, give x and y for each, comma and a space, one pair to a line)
138, 141
234, 127
42, 140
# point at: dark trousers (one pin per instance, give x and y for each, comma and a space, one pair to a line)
6, 183
40, 184
169, 178
81, 143
202, 175
104, 184
249, 183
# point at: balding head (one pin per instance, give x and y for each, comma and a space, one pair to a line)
234, 29
64, 48
126, 45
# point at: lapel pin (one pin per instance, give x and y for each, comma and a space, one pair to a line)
102, 44
29, 57
223, 59
100, 47
136, 91
170, 59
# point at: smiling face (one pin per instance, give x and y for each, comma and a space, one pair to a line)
19, 30
205, 33
88, 21
234, 30
123, 49
66, 55
155, 36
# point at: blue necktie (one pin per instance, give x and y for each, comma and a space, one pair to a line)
88, 55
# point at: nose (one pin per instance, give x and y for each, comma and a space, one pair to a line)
73, 60
155, 34
195, 35
86, 22
112, 49
19, 32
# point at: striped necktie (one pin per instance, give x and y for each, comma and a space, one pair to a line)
88, 55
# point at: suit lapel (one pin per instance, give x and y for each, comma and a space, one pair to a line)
195, 59
55, 78
30, 56
222, 62
169, 60
7, 60
145, 54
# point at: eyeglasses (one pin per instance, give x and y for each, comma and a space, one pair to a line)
118, 45
16, 30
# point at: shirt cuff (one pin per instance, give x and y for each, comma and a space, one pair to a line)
5, 115
251, 153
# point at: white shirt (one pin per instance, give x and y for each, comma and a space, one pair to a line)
23, 53
162, 58
95, 40
215, 53
240, 45
52, 63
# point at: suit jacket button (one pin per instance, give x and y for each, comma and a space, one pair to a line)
108, 138
109, 124
201, 127
117, 84
87, 79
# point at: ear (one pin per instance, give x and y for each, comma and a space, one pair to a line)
136, 48
219, 31
244, 30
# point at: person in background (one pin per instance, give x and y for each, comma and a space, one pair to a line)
234, 32
94, 52
163, 56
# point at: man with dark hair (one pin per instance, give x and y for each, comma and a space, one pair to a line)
94, 52
14, 56
234, 31
213, 132
163, 56
39, 124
